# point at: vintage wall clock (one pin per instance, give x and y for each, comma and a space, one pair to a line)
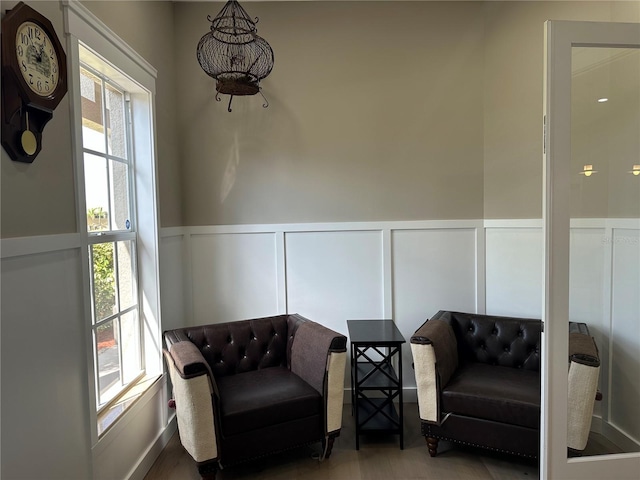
34, 80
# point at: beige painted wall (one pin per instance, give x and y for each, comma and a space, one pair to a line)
375, 114
606, 136
39, 198
514, 43
148, 28
379, 111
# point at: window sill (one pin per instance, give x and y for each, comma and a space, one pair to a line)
109, 416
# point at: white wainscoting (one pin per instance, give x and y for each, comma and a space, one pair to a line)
624, 367
45, 410
335, 276
433, 269
172, 279
234, 276
132, 445
45, 373
331, 272
587, 265
408, 271
514, 269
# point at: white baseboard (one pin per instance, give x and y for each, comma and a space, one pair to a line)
614, 434
149, 457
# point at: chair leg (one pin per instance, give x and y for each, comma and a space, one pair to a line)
208, 471
432, 445
571, 453
327, 445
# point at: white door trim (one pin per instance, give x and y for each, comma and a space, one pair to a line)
560, 37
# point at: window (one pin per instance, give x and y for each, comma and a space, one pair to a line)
111, 90
110, 206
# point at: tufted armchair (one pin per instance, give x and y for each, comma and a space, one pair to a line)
478, 382
255, 387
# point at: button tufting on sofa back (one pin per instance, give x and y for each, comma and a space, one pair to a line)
508, 342
242, 346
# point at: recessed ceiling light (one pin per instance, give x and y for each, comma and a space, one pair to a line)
602, 100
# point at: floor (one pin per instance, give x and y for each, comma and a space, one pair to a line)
379, 458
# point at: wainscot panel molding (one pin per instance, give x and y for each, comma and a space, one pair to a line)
166, 232
433, 269
234, 276
513, 271
624, 340
121, 454
408, 271
15, 247
332, 272
42, 292
173, 277
332, 276
45, 405
333, 226
513, 223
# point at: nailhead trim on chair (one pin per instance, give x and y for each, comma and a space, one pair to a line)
460, 442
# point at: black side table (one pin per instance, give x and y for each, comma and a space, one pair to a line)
374, 344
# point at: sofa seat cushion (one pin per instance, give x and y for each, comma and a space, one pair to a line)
501, 394
260, 398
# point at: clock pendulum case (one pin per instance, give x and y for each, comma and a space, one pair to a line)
34, 80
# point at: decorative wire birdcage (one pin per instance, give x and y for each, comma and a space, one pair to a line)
234, 54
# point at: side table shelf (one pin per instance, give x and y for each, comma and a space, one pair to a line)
378, 415
385, 377
375, 385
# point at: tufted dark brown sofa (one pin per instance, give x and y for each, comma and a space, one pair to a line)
478, 381
255, 387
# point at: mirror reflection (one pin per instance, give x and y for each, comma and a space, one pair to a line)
605, 241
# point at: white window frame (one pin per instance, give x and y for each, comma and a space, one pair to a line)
82, 27
111, 235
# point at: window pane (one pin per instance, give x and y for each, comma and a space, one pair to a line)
119, 177
109, 376
130, 344
104, 284
110, 206
116, 122
92, 123
96, 187
126, 273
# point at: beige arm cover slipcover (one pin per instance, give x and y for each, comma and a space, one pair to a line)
194, 403
435, 356
584, 368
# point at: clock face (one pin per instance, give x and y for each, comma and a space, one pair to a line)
37, 59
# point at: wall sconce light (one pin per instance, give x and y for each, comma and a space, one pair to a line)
588, 170
635, 170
